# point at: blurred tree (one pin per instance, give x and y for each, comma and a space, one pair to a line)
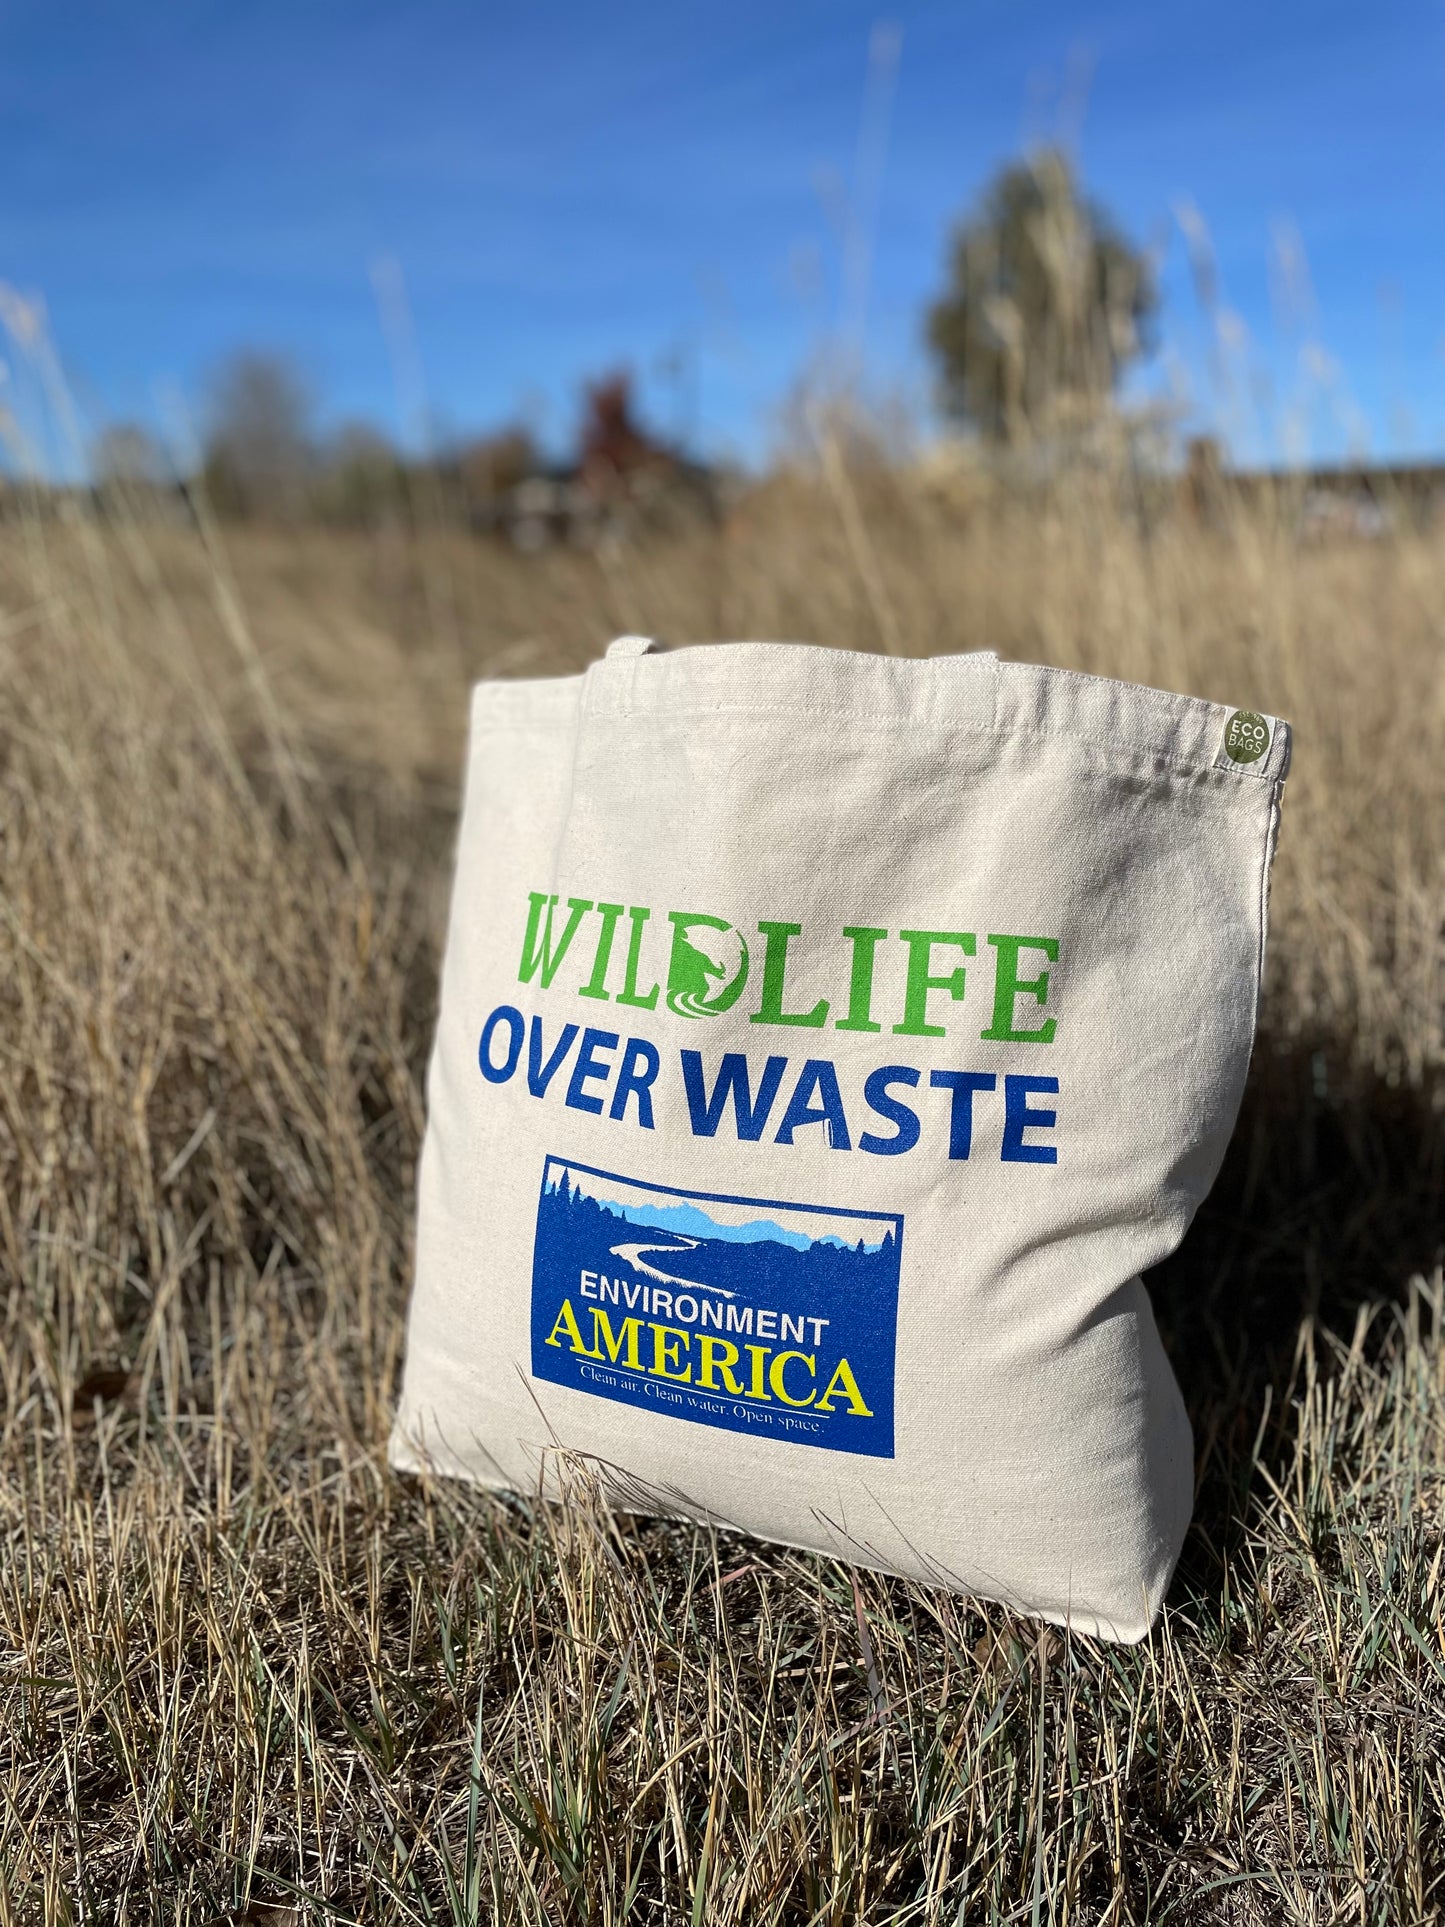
1046, 304
126, 455
361, 478
489, 465
613, 444
258, 450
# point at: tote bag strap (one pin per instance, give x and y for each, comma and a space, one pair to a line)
634, 646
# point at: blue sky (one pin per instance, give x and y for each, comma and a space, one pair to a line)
568, 187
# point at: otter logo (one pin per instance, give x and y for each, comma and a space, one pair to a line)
708, 966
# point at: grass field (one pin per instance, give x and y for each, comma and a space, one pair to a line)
247, 1674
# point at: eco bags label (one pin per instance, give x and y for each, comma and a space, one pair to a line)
746, 1313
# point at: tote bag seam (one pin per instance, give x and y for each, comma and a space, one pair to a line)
1271, 839
1110, 750
1161, 704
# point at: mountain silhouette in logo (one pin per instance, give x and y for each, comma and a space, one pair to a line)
708, 966
577, 1233
691, 1221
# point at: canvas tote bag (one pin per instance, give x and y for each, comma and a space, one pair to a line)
826, 1044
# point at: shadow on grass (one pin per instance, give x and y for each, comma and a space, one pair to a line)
1331, 1197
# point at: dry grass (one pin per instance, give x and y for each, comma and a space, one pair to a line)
246, 1673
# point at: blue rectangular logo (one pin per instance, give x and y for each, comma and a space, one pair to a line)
745, 1313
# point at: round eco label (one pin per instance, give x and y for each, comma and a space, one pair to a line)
1246, 737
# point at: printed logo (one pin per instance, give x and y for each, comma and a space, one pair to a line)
1246, 737
743, 1313
708, 967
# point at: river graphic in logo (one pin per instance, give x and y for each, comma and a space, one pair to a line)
708, 966
744, 1313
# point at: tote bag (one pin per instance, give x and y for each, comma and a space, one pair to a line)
826, 1044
